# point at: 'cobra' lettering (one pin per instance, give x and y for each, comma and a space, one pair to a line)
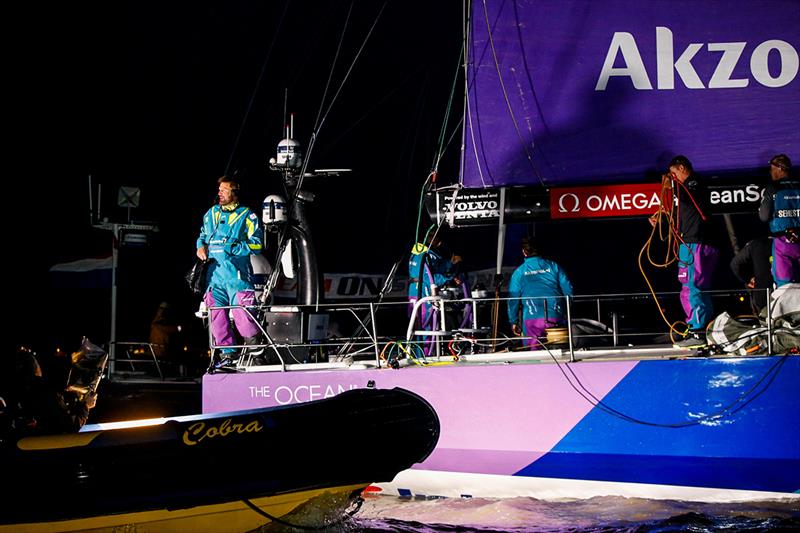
198, 432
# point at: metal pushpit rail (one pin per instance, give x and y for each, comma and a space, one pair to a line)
146, 347
438, 303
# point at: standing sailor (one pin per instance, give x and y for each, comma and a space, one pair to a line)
780, 206
697, 255
230, 234
543, 286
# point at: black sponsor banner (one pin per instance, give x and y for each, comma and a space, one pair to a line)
464, 207
734, 196
481, 207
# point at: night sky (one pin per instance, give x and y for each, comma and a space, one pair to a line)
153, 94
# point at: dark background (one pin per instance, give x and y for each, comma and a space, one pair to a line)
154, 94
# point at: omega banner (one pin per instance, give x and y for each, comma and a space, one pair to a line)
605, 201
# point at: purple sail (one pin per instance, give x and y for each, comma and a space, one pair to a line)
575, 91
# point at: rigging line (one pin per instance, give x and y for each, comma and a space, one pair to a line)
467, 103
396, 265
345, 131
450, 140
353, 64
282, 237
464, 110
335, 96
443, 132
474, 145
415, 129
764, 388
315, 133
420, 207
258, 84
422, 191
333, 66
429, 178
330, 106
505, 95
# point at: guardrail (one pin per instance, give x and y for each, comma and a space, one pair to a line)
621, 321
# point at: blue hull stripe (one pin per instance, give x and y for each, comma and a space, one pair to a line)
713, 472
753, 445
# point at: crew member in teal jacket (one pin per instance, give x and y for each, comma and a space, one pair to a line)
542, 285
230, 234
429, 266
438, 270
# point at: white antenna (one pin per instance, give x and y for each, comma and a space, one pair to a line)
291, 128
285, 103
91, 207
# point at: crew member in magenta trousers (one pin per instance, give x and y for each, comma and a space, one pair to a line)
698, 253
780, 207
542, 287
230, 233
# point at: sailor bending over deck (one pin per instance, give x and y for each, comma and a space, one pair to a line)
543, 285
230, 234
430, 267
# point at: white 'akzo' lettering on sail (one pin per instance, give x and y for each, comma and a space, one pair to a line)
624, 44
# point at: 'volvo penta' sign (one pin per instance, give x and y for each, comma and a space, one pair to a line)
465, 207
473, 205
482, 207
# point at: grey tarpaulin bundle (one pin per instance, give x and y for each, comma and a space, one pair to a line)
749, 337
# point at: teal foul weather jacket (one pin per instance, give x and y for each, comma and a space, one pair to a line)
437, 270
536, 279
231, 237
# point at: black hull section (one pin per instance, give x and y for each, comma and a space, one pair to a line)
359, 436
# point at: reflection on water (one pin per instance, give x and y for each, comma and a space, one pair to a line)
605, 514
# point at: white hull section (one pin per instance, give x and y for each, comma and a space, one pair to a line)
458, 484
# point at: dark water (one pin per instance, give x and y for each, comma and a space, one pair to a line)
606, 514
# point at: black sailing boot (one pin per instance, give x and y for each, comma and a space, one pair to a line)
258, 354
